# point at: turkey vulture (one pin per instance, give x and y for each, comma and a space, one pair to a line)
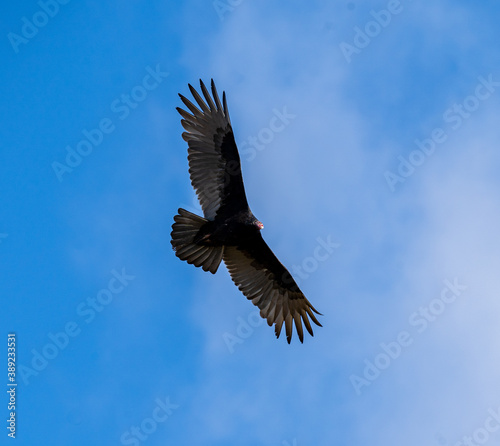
230, 231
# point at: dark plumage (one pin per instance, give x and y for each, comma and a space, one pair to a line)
230, 231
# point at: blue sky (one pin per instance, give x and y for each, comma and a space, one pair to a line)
388, 150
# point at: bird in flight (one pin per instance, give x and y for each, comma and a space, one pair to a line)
229, 231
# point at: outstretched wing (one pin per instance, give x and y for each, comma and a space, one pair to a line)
214, 162
267, 283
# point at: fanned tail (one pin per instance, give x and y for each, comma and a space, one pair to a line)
184, 231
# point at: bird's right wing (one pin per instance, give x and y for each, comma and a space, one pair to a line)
214, 162
263, 279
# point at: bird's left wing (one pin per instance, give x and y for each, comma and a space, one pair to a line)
263, 279
214, 162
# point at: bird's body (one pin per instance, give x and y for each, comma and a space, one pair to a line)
233, 230
229, 231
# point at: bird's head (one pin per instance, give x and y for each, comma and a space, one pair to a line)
258, 224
